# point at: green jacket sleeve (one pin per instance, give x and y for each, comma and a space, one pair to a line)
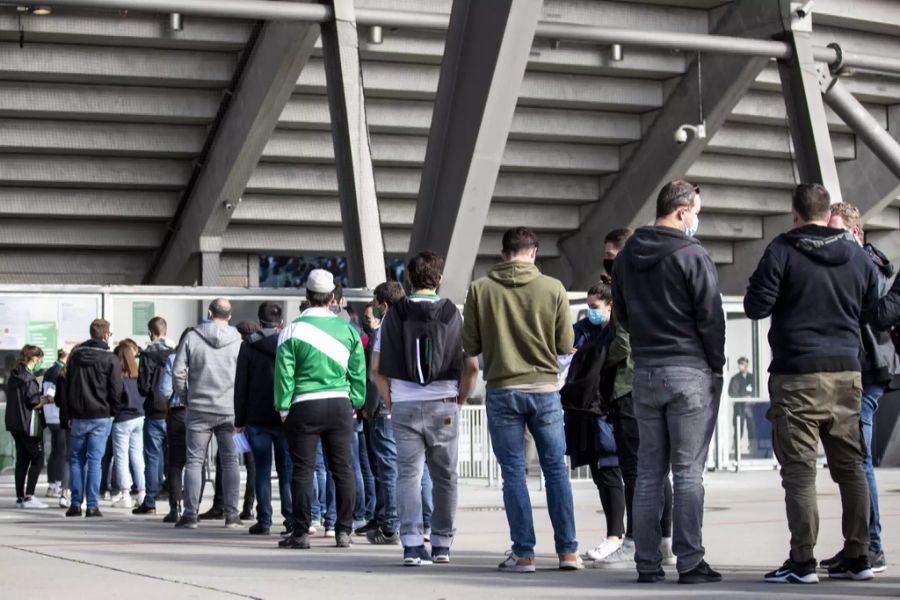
471, 326
285, 363
620, 348
565, 333
356, 373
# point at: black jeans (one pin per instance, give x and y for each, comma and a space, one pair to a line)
106, 480
612, 497
29, 463
249, 490
625, 429
331, 420
58, 465
176, 454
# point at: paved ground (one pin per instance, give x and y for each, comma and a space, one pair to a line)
44, 555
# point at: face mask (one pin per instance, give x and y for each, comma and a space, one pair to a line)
608, 265
596, 316
38, 365
692, 230
376, 312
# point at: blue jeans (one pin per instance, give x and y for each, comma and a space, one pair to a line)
871, 395
330, 514
427, 498
365, 481
262, 441
319, 486
154, 446
676, 410
87, 443
128, 450
508, 413
385, 449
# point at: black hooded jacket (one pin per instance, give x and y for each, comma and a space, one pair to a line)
666, 295
23, 394
815, 282
254, 381
878, 358
93, 382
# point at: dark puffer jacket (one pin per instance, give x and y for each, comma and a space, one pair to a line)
23, 394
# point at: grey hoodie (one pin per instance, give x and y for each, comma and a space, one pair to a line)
204, 368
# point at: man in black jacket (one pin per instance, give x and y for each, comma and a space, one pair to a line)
255, 415
816, 283
879, 362
153, 363
93, 396
666, 295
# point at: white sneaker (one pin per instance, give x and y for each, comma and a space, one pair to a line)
33, 503
605, 548
623, 558
139, 499
122, 500
53, 490
329, 533
64, 502
312, 530
106, 497
668, 557
516, 564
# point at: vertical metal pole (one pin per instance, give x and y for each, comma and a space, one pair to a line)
361, 223
806, 110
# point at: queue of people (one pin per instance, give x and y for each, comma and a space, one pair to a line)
362, 422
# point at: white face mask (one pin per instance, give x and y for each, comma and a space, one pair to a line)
692, 230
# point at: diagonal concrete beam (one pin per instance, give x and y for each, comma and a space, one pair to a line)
486, 52
360, 220
630, 200
266, 83
867, 182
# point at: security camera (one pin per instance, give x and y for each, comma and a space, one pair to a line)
681, 134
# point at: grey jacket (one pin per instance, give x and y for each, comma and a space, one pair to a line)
878, 356
204, 368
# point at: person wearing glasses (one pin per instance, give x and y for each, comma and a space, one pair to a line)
666, 295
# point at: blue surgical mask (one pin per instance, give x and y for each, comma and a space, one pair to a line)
692, 230
596, 316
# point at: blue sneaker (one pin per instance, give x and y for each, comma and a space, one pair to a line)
440, 555
415, 556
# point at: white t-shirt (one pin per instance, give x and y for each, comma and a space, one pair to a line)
409, 391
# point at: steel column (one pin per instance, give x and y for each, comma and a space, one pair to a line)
630, 200
268, 80
485, 56
800, 84
360, 219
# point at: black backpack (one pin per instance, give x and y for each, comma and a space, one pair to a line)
589, 383
422, 342
153, 365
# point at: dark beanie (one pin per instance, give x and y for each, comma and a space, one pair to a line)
270, 313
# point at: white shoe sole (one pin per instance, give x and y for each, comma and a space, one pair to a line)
863, 575
794, 578
517, 569
415, 562
880, 569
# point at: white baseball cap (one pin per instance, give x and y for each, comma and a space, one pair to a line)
320, 281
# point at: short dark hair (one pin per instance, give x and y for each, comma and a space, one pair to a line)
812, 201
99, 329
602, 289
270, 314
519, 239
319, 299
157, 326
743, 360
674, 195
618, 237
220, 308
389, 292
62, 353
424, 270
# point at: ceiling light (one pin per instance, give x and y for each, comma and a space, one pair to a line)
41, 11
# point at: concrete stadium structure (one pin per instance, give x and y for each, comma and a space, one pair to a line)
134, 153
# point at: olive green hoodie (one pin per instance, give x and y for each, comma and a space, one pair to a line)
519, 319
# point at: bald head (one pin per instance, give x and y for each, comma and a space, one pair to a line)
220, 310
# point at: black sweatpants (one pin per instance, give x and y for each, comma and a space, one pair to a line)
612, 497
29, 463
331, 420
625, 429
176, 454
58, 465
249, 488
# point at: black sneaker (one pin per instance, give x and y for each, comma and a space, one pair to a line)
173, 516
74, 511
654, 577
380, 537
416, 556
213, 514
830, 562
702, 573
143, 509
295, 543
857, 569
440, 555
247, 515
342, 539
93, 512
259, 529
365, 529
232, 523
186, 523
876, 559
794, 572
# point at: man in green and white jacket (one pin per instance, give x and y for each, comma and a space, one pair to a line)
320, 378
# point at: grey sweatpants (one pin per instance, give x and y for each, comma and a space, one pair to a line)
426, 431
200, 429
